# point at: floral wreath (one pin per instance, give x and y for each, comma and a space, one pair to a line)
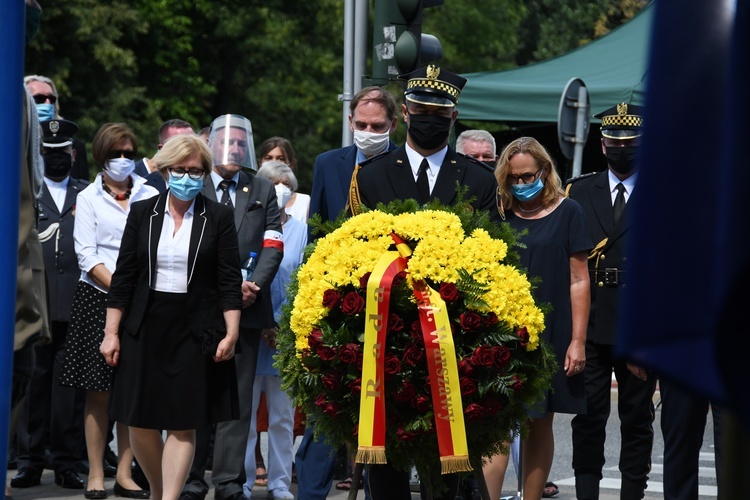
426, 269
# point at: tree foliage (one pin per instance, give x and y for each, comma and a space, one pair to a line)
278, 62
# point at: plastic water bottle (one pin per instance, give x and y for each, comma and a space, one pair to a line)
249, 266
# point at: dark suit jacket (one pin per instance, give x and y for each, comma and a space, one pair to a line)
156, 180
389, 177
60, 261
140, 168
255, 212
332, 175
593, 194
214, 279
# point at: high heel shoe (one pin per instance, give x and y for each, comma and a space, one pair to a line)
120, 491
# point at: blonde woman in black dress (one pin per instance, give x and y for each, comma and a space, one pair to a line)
173, 318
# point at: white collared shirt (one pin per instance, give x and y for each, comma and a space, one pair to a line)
628, 183
58, 190
172, 253
100, 222
216, 178
435, 160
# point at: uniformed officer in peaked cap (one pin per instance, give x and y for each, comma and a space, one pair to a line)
426, 167
604, 197
57, 147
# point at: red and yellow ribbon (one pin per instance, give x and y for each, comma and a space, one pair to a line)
371, 449
441, 360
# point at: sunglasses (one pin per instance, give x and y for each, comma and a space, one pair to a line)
42, 98
122, 153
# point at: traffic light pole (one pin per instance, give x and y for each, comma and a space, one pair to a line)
356, 13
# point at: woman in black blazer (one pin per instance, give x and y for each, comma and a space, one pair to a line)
173, 318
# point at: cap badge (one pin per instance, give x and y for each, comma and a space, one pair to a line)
622, 109
54, 126
433, 72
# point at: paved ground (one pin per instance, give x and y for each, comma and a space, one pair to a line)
48, 489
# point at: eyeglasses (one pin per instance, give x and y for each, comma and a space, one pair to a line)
122, 153
42, 98
527, 178
193, 173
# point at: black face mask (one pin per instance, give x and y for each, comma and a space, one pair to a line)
429, 131
57, 164
622, 160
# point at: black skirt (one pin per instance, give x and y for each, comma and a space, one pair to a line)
83, 364
163, 380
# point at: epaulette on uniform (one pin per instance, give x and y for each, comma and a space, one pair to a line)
474, 160
579, 177
570, 181
370, 160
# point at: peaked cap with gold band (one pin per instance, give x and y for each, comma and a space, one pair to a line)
433, 85
624, 121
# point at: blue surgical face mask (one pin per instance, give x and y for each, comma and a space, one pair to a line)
527, 192
185, 188
45, 111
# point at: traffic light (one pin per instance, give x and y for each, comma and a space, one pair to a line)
399, 46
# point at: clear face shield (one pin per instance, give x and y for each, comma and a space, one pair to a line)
231, 142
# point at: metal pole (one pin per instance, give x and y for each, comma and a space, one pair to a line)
346, 97
580, 130
361, 23
12, 17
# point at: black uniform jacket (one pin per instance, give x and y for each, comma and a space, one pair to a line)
608, 261
389, 177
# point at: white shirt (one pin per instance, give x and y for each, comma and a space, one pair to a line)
629, 184
58, 190
300, 210
172, 253
435, 160
100, 222
216, 178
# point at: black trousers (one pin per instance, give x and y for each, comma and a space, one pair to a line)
683, 422
53, 415
636, 411
388, 483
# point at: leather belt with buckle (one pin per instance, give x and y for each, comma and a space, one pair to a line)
610, 276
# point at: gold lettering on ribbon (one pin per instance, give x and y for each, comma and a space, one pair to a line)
372, 389
377, 320
446, 408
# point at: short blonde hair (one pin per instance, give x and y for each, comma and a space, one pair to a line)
178, 148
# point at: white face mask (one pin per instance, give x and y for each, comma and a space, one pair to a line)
119, 169
370, 143
283, 194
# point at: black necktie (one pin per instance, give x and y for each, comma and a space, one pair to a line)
423, 185
619, 205
225, 198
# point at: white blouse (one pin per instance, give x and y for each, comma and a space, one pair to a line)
172, 253
100, 222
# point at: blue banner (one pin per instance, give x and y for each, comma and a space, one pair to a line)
682, 310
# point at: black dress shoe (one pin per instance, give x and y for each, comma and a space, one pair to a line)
26, 478
109, 470
191, 495
125, 493
69, 479
98, 494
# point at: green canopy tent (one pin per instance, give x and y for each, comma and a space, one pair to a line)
527, 99
613, 68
